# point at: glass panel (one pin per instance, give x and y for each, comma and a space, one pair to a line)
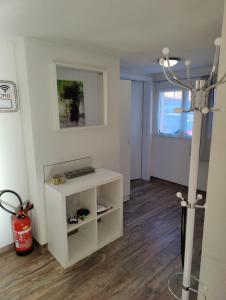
169, 119
189, 116
80, 97
189, 124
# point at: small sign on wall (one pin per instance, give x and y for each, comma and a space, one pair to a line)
8, 96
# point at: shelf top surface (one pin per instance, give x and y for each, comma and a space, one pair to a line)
76, 185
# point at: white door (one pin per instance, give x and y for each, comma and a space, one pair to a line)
136, 130
125, 115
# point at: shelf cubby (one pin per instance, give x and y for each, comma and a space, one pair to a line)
85, 199
109, 211
110, 193
97, 230
82, 241
109, 227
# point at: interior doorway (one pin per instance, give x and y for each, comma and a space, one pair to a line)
125, 116
135, 130
136, 133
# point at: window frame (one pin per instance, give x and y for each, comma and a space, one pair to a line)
167, 88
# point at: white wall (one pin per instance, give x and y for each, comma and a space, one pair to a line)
147, 129
125, 116
44, 145
136, 126
12, 163
170, 157
170, 160
213, 265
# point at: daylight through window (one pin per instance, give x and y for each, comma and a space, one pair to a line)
170, 122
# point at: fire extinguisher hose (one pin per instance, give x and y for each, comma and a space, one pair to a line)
6, 209
28, 207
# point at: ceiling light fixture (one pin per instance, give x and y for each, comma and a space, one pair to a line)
172, 61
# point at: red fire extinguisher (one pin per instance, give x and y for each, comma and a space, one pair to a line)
21, 225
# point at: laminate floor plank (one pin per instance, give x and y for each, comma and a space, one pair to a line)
134, 267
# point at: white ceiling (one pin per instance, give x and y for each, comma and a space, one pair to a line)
136, 30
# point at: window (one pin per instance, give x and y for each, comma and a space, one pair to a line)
170, 122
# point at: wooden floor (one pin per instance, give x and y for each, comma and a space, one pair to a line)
135, 267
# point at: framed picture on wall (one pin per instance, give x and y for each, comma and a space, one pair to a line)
71, 103
79, 97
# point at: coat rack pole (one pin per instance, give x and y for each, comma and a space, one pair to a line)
193, 177
199, 105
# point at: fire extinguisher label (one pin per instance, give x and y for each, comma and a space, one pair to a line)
24, 231
23, 239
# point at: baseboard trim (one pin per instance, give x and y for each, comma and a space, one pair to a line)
37, 244
126, 198
182, 185
165, 180
11, 247
7, 248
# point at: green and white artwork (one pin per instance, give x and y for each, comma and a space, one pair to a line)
71, 103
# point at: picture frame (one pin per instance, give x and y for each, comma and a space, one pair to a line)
84, 120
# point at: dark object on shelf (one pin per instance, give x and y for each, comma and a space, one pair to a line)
79, 172
82, 213
72, 220
102, 207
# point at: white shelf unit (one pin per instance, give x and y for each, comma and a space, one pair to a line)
70, 243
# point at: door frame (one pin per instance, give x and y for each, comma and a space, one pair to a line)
136, 138
146, 121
